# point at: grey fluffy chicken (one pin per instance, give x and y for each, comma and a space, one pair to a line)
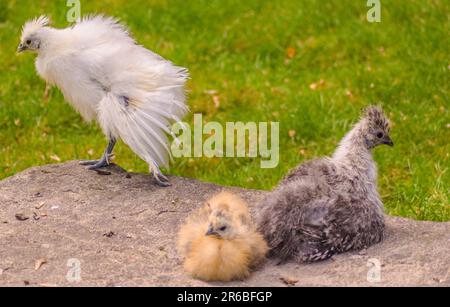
329, 205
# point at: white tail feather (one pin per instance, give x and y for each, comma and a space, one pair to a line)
143, 127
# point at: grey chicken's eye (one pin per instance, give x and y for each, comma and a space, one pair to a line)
223, 228
28, 42
379, 135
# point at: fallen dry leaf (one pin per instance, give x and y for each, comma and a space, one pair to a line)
109, 234
289, 281
211, 92
292, 133
40, 205
39, 263
291, 52
316, 85
277, 90
90, 152
21, 217
216, 100
17, 122
55, 158
102, 172
36, 216
349, 94
47, 91
48, 285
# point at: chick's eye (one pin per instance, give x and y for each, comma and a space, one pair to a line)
223, 228
379, 135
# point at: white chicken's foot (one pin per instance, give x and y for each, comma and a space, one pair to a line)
160, 179
104, 160
96, 164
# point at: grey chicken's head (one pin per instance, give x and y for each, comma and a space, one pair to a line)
376, 127
33, 33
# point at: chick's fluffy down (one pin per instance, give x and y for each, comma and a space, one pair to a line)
211, 258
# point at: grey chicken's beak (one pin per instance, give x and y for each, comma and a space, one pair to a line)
21, 48
387, 140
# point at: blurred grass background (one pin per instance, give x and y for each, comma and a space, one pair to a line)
310, 65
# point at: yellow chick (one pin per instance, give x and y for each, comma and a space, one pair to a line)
220, 241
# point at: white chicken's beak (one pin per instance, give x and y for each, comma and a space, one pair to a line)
21, 48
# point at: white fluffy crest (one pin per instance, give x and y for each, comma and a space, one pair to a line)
35, 25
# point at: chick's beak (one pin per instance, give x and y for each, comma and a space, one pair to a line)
21, 48
211, 232
387, 140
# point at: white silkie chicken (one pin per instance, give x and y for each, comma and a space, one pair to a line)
132, 92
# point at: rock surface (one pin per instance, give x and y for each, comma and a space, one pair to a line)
121, 229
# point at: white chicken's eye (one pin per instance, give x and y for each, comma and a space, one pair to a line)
28, 42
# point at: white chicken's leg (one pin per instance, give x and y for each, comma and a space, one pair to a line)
104, 160
160, 179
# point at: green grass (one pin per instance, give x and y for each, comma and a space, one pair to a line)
240, 49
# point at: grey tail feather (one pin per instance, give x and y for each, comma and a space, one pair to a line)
316, 255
